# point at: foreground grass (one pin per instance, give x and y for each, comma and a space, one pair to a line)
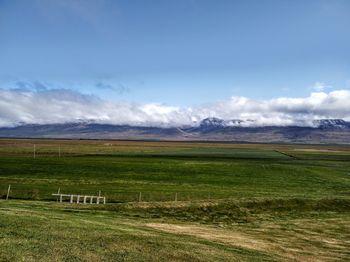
39, 232
46, 231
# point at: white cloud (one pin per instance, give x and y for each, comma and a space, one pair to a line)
320, 86
44, 106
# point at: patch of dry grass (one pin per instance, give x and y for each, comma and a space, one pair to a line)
326, 239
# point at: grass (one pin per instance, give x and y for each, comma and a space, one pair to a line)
42, 231
122, 178
34, 232
230, 212
235, 202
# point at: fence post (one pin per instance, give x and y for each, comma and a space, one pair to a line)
140, 197
58, 191
98, 198
8, 192
34, 151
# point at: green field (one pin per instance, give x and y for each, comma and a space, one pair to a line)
243, 202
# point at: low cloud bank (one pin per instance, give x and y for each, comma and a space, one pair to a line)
44, 106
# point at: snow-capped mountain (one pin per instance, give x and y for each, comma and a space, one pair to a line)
331, 124
214, 122
212, 129
211, 122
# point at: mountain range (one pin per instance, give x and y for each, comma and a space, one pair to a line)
210, 129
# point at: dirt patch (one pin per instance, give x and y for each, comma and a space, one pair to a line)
318, 150
213, 234
283, 249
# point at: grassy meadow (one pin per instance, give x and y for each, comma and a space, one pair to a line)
174, 201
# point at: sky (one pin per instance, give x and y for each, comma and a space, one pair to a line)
174, 62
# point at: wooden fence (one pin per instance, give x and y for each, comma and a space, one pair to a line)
84, 199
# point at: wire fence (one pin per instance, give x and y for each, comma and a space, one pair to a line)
51, 150
65, 148
13, 192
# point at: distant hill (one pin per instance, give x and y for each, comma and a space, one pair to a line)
213, 129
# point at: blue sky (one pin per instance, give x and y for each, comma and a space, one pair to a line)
183, 52
172, 62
